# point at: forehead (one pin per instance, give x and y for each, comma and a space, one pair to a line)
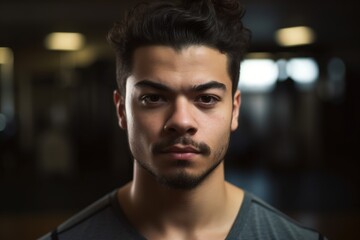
191, 64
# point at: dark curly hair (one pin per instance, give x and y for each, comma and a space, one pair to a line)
213, 23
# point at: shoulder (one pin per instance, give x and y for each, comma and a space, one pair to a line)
91, 212
101, 220
259, 220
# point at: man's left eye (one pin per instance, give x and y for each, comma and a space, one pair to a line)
207, 99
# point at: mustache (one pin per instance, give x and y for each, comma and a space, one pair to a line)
163, 145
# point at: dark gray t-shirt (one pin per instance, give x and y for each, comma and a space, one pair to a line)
105, 220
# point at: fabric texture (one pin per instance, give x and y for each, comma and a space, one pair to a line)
105, 220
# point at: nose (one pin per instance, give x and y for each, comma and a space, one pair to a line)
181, 119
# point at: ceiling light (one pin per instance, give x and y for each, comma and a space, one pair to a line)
258, 75
5, 55
294, 36
303, 70
64, 41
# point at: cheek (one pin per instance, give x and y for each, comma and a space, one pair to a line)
143, 127
218, 120
218, 126
140, 136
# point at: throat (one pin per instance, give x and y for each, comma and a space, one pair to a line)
156, 210
179, 215
186, 207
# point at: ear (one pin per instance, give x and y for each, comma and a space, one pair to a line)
236, 110
119, 102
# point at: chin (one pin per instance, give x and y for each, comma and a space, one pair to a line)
183, 179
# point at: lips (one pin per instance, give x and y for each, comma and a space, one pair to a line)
181, 145
181, 149
181, 152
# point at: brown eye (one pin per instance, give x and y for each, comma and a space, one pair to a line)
207, 100
152, 99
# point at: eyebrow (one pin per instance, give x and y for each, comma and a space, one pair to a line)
209, 85
151, 84
196, 88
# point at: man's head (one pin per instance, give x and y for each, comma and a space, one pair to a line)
177, 70
213, 23
178, 112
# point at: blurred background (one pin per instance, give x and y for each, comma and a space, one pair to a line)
296, 147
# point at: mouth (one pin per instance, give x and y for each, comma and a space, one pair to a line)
181, 149
180, 152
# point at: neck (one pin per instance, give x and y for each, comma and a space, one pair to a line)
149, 204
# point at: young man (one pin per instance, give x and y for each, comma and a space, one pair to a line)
177, 72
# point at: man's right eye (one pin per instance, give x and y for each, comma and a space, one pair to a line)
152, 99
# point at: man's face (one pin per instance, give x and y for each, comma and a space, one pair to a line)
178, 112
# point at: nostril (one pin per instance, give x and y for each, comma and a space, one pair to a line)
180, 129
169, 129
191, 131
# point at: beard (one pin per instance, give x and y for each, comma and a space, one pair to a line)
181, 179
